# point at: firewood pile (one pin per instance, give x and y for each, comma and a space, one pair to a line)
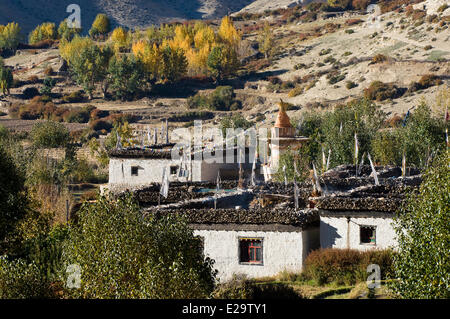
239, 216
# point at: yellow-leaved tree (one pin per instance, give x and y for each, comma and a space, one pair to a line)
151, 57
100, 26
9, 36
121, 39
228, 34
69, 50
45, 31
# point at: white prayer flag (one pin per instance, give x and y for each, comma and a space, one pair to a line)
374, 172
356, 149
119, 143
295, 194
316, 179
324, 160
165, 184
404, 165
285, 177
328, 160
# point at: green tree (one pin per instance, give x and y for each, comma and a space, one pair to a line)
45, 31
142, 256
13, 200
49, 134
6, 78
174, 64
234, 121
266, 41
126, 76
222, 62
422, 265
100, 26
343, 4
90, 67
418, 137
49, 83
65, 33
9, 36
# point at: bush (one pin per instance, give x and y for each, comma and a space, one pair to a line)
20, 280
74, 97
30, 93
380, 91
240, 287
350, 85
296, 91
325, 51
426, 81
35, 109
77, 115
221, 99
98, 125
429, 80
379, 58
49, 71
49, 134
167, 262
189, 116
442, 8
345, 266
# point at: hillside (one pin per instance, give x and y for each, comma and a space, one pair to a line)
259, 6
316, 65
129, 13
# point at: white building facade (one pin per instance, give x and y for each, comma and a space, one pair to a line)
258, 253
361, 231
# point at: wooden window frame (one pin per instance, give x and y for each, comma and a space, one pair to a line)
251, 247
374, 243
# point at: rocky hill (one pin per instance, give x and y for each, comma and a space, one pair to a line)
129, 13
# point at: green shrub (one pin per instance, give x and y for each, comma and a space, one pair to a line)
74, 97
350, 85
325, 51
49, 134
221, 99
20, 280
345, 266
99, 125
166, 260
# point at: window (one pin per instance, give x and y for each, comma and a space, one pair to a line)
173, 170
134, 170
367, 235
250, 251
